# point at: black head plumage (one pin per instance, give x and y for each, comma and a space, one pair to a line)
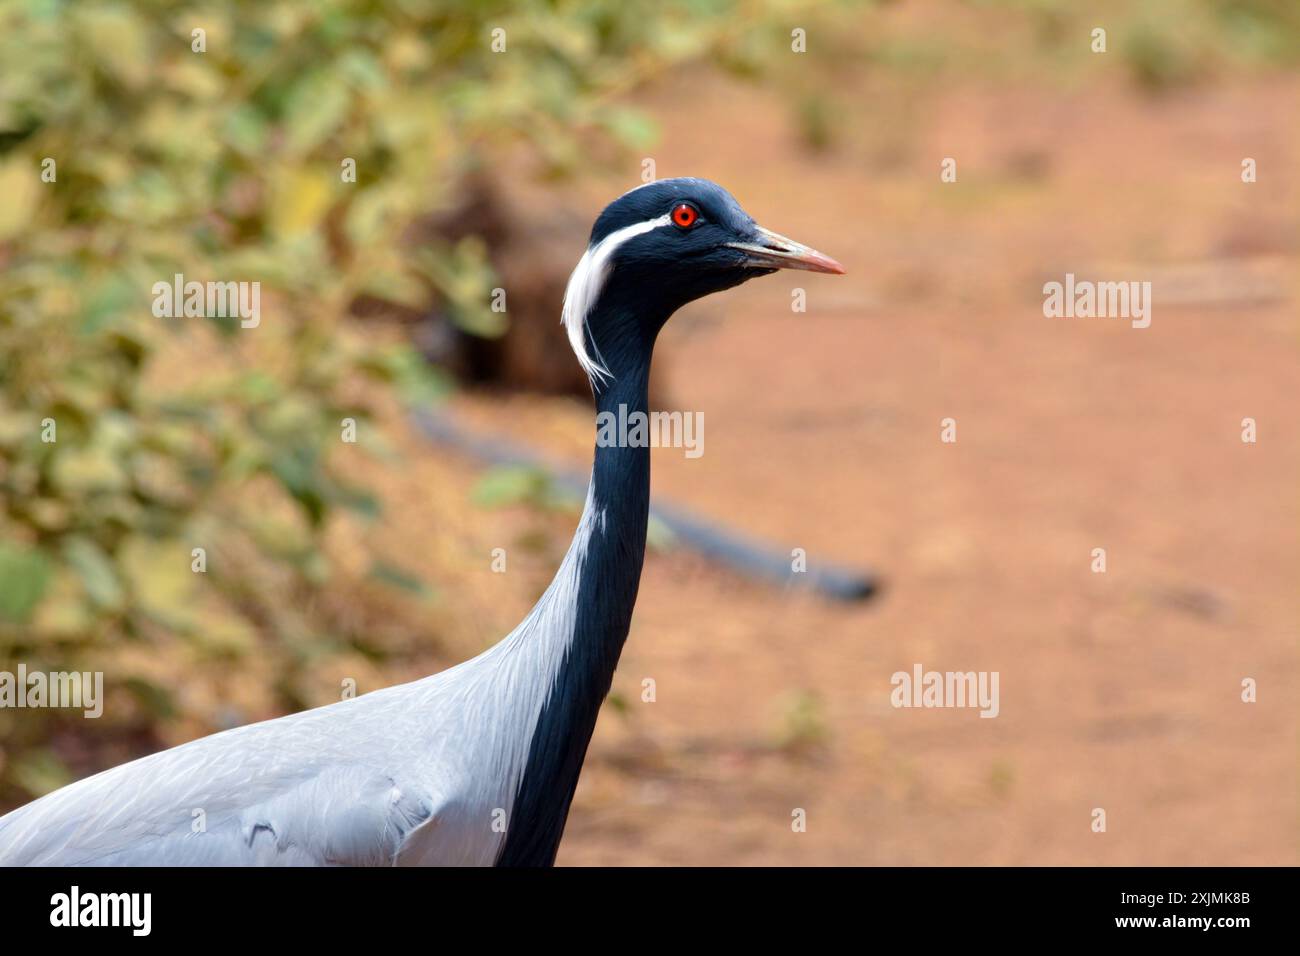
658, 247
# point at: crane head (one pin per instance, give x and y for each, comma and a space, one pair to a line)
660, 246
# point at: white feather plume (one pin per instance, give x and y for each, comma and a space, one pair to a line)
584, 287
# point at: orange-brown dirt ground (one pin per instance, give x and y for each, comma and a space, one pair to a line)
1120, 690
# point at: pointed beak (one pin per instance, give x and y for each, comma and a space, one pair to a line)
774, 251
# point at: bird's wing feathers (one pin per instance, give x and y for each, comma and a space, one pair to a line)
301, 790
421, 774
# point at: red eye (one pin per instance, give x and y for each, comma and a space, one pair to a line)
685, 215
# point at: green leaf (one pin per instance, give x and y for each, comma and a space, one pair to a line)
85, 470
155, 698
24, 576
417, 382
315, 109
20, 185
399, 578
96, 571
161, 578
631, 127
512, 485
40, 772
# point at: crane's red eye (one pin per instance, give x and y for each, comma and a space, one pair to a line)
685, 215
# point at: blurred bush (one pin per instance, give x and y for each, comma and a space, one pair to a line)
1183, 42
222, 155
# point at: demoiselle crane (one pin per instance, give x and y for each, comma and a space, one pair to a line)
476, 764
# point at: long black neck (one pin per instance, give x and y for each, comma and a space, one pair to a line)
617, 512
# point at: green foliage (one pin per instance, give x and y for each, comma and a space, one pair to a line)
232, 164
1189, 40
509, 485
803, 725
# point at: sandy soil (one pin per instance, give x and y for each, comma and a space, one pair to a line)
1119, 690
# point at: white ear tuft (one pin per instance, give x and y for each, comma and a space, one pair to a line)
584, 289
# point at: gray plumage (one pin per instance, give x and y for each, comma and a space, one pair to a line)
423, 773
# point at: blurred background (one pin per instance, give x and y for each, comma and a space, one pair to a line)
330, 562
